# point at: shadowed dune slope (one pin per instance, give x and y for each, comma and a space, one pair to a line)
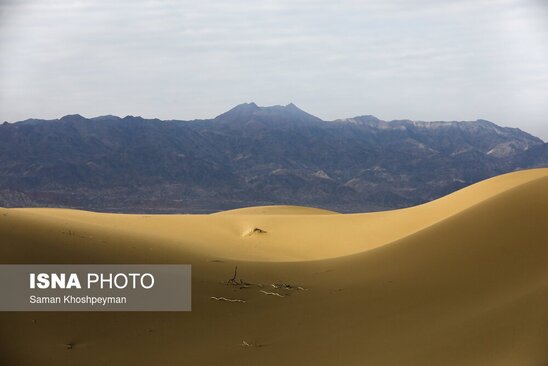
458, 281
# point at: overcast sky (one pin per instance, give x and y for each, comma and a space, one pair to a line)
421, 59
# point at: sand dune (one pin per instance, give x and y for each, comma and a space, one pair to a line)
462, 280
277, 210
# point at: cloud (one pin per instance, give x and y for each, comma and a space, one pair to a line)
425, 59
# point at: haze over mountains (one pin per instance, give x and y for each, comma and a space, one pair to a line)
251, 156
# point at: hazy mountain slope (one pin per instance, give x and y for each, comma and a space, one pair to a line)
249, 156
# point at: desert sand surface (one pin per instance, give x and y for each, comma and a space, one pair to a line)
462, 280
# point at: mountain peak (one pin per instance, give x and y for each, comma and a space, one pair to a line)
366, 119
240, 111
245, 107
278, 115
293, 108
108, 117
72, 118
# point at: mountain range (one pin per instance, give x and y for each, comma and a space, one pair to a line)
251, 156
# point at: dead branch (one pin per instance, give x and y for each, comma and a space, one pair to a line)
226, 299
235, 282
272, 293
287, 286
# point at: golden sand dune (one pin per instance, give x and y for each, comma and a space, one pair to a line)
462, 280
277, 210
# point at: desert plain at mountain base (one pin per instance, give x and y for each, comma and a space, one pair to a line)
462, 280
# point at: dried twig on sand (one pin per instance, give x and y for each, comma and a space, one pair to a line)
235, 282
226, 299
287, 286
250, 344
272, 293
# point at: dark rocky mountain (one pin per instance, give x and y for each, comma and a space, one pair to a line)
251, 155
